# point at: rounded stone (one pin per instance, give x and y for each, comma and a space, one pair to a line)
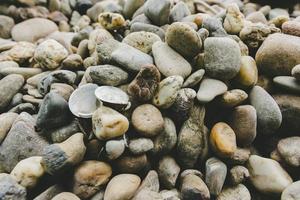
194, 78
292, 192
140, 145
122, 186
179, 11
287, 83
291, 28
147, 120
73, 62
269, 116
289, 150
222, 57
108, 75
111, 21
233, 98
168, 171
237, 192
234, 19
141, 40
248, 74
33, 29
183, 39
278, 54
158, 11
296, 72
65, 196
49, 54
169, 62
90, 177
209, 89
114, 149
132, 163
108, 123
223, 139
238, 174
10, 189
6, 25
243, 121
6, 121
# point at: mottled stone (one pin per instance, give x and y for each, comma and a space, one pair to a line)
168, 171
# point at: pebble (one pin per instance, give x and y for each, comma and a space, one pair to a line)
223, 139
169, 62
145, 83
248, 74
291, 192
237, 192
10, 189
8, 64
287, 83
100, 7
114, 149
179, 11
89, 177
6, 122
257, 17
269, 117
139, 26
168, 171
296, 72
65, 196
132, 163
108, 75
6, 24
277, 12
33, 29
234, 19
215, 175
73, 62
209, 89
25, 72
222, 57
142, 40
158, 11
183, 39
131, 6
28, 144
288, 149
238, 174
275, 59
140, 145
60, 134
243, 121
62, 89
267, 175
167, 91
147, 120
214, 26
9, 86
111, 21
122, 186
22, 52
291, 28
233, 98
194, 78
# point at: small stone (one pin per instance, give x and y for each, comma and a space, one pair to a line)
131, 6
291, 28
150, 182
173, 194
240, 156
267, 175
6, 25
233, 98
277, 12
234, 20
179, 11
214, 26
122, 186
209, 89
248, 75
89, 177
111, 21
169, 62
287, 83
10, 189
65, 196
222, 57
8, 64
168, 171
73, 62
140, 145
291, 192
194, 78
158, 11
138, 26
215, 175
50, 192
257, 17
114, 149
22, 52
296, 72
108, 75
165, 141
62, 89
28, 171
238, 174
33, 29
6, 121
28, 144
223, 139
145, 83
24, 71
132, 163
49, 54
183, 39
147, 120
289, 151
167, 91
243, 121
275, 59
60, 134
237, 192
269, 117
103, 6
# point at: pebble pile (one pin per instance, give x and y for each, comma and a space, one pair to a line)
149, 100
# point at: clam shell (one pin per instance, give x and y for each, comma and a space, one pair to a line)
83, 101
112, 95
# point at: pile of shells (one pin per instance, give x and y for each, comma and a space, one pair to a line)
149, 100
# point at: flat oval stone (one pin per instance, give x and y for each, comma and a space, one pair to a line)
6, 24
114, 149
267, 175
292, 192
167, 91
289, 150
288, 83
138, 26
108, 75
233, 98
24, 71
269, 116
222, 57
194, 78
183, 39
33, 29
278, 54
209, 89
169, 62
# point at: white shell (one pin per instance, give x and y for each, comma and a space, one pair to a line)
83, 101
112, 95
